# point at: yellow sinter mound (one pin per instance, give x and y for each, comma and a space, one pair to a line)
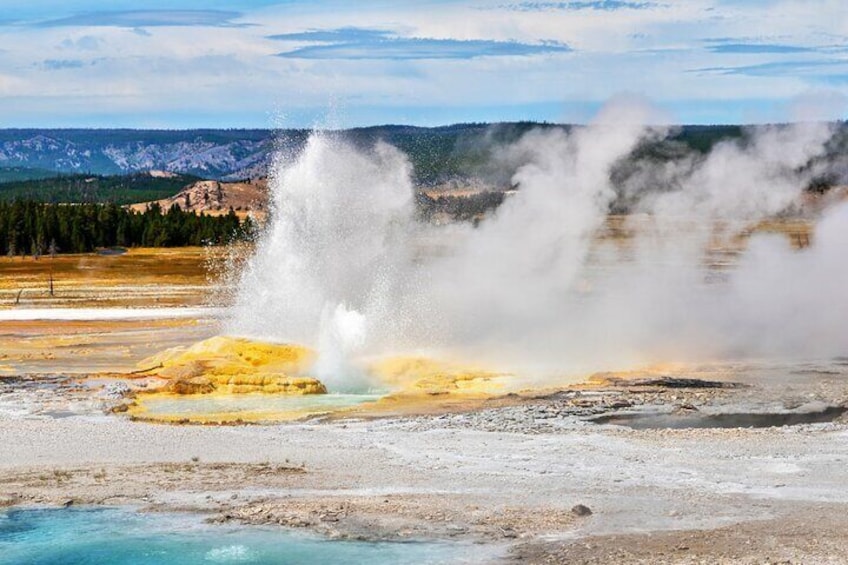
235, 365
221, 366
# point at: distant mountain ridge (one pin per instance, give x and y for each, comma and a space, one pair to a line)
227, 155
439, 155
217, 154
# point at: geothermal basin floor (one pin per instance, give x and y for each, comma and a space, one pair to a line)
506, 477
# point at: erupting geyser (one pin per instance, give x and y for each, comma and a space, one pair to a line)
324, 271
344, 266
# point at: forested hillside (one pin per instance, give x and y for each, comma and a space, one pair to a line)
119, 189
113, 165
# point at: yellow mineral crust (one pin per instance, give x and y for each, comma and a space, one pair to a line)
420, 375
225, 350
235, 366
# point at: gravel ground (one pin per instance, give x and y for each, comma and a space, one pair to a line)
508, 476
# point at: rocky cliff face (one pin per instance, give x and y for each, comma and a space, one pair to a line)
212, 197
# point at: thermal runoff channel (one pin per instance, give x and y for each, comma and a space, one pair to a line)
347, 267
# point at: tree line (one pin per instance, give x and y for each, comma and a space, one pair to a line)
37, 228
120, 189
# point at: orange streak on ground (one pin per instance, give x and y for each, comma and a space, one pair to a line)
140, 277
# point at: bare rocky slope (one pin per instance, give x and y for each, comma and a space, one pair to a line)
212, 197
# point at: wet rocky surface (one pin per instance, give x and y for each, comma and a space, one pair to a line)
57, 396
656, 404
814, 413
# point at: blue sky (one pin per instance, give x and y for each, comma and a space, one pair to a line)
267, 63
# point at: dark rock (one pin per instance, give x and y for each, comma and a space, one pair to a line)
678, 382
581, 510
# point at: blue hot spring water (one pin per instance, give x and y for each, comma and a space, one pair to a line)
122, 536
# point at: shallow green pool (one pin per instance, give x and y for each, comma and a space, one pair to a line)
252, 406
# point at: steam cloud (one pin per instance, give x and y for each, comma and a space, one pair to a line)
345, 267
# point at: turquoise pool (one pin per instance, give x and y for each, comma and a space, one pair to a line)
123, 536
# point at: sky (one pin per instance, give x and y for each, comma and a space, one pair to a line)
329, 63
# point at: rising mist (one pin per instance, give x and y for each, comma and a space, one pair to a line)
345, 266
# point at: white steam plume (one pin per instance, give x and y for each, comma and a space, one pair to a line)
344, 266
508, 283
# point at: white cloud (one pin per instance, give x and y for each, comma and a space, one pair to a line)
179, 65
